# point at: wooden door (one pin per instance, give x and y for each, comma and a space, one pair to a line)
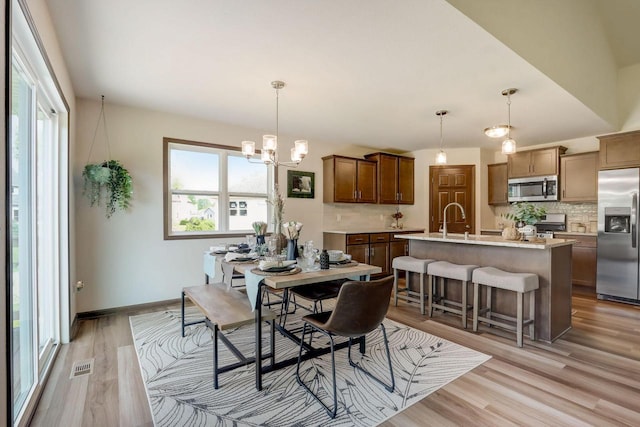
388, 175
367, 181
452, 184
406, 180
345, 173
544, 162
519, 164
497, 175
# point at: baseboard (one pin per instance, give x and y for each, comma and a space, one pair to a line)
137, 307
75, 327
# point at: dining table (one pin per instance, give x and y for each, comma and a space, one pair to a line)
258, 282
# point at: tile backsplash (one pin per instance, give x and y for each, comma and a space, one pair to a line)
584, 213
343, 216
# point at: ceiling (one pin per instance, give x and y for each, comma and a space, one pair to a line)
357, 72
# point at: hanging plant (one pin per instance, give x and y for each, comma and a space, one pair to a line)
111, 180
107, 179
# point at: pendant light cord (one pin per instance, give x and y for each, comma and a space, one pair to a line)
441, 132
509, 114
101, 117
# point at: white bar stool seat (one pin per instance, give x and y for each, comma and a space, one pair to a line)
447, 270
413, 265
521, 283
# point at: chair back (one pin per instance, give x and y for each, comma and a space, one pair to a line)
360, 307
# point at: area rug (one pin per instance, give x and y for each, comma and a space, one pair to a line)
177, 373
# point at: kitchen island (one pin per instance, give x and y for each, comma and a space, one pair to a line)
550, 259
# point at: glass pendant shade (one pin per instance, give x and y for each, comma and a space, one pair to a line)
508, 146
295, 155
302, 147
266, 156
269, 142
441, 158
248, 148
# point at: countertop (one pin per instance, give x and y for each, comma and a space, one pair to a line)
377, 230
475, 239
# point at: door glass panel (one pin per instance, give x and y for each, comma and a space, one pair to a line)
22, 332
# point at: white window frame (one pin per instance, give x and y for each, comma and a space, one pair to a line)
224, 196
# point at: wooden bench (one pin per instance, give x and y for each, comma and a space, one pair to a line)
225, 308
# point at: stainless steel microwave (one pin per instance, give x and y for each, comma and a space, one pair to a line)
533, 189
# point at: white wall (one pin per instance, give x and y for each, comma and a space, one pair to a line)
629, 97
124, 260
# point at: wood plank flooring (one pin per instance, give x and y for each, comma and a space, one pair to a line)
591, 376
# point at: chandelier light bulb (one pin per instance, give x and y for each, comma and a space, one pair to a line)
248, 148
441, 158
508, 146
269, 142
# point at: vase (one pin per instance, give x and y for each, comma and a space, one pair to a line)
324, 260
292, 249
260, 239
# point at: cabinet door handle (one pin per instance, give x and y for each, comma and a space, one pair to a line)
373, 251
400, 196
359, 194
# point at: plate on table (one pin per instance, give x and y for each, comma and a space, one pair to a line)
243, 250
219, 252
343, 260
243, 259
280, 269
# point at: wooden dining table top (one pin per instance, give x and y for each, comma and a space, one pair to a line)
316, 276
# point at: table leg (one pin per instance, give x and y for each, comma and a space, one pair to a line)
258, 326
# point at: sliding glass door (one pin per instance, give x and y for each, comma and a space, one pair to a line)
37, 213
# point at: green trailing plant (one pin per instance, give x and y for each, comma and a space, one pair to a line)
109, 180
525, 212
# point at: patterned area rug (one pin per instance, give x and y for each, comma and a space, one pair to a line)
177, 373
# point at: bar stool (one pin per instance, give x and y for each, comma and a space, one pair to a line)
446, 270
521, 283
413, 265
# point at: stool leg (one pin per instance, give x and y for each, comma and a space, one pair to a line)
519, 319
488, 315
406, 282
532, 315
422, 293
430, 292
395, 286
476, 304
464, 304
441, 292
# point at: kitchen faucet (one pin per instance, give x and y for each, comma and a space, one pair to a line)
444, 219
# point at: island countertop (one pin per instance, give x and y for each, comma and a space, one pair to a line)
475, 239
369, 230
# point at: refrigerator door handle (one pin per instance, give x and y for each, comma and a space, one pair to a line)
634, 219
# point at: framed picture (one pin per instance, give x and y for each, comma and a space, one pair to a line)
301, 184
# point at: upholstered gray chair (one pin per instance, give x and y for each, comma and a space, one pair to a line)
360, 308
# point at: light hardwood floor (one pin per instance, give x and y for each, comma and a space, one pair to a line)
591, 376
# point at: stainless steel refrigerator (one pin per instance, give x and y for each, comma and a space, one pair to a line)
618, 253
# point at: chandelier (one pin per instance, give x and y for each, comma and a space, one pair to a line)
269, 152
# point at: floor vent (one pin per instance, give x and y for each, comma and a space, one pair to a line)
81, 367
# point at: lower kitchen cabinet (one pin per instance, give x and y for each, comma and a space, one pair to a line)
377, 249
583, 261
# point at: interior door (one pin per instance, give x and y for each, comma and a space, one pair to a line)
452, 184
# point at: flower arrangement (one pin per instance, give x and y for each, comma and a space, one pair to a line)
397, 215
291, 229
260, 228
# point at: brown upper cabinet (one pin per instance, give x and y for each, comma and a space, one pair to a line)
349, 180
545, 161
395, 178
579, 177
498, 187
621, 150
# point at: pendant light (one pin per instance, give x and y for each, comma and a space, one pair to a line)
441, 157
269, 153
509, 145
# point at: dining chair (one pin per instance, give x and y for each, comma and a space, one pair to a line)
360, 308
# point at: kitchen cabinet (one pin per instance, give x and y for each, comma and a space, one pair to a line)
498, 189
395, 178
583, 260
621, 150
579, 177
377, 249
349, 180
545, 161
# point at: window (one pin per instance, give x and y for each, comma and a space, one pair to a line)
201, 179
